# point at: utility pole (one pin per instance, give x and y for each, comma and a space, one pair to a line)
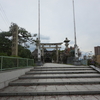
14, 31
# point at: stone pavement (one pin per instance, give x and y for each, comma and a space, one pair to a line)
55, 82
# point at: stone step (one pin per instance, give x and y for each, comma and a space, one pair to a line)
28, 73
49, 93
69, 81
73, 74
61, 67
66, 71
48, 77
52, 83
58, 69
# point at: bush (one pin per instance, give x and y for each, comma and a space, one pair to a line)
3, 54
91, 62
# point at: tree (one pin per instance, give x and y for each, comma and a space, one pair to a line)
24, 52
24, 38
5, 43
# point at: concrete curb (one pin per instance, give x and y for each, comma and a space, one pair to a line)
45, 77
53, 83
95, 68
46, 93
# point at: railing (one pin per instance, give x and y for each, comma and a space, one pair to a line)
14, 62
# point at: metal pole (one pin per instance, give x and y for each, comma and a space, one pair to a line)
76, 53
39, 19
33, 63
17, 62
74, 23
39, 50
1, 62
27, 62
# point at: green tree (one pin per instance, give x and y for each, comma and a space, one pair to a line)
24, 52
24, 38
5, 43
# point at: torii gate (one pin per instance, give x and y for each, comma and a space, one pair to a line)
51, 45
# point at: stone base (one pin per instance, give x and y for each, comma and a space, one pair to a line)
77, 62
39, 63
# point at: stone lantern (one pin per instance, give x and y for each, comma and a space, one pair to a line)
66, 43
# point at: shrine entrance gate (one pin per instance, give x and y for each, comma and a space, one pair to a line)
53, 46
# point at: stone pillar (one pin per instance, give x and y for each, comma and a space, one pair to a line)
57, 53
15, 40
43, 52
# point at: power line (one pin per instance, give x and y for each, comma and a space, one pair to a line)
3, 15
3, 19
1, 30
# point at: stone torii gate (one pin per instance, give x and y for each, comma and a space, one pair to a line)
51, 45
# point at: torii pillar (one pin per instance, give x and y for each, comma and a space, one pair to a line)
57, 55
43, 52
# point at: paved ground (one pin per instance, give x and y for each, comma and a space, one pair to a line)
55, 78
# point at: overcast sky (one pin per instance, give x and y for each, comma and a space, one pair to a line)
56, 20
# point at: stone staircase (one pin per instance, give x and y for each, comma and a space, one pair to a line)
55, 79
